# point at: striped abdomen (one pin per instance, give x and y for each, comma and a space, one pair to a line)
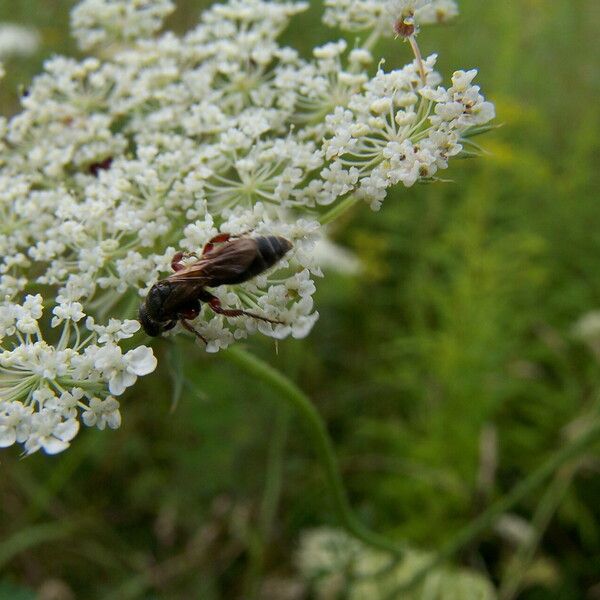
269, 250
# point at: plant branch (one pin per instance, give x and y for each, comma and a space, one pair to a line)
270, 501
339, 209
321, 442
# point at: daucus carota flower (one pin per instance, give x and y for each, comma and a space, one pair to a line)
587, 330
400, 129
46, 387
385, 16
160, 142
333, 563
16, 40
103, 21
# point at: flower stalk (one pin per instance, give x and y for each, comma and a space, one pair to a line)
321, 443
412, 40
323, 447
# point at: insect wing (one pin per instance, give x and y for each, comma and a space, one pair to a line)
226, 264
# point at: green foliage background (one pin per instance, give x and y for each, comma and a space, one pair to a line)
456, 336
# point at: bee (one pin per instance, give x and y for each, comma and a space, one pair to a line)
225, 260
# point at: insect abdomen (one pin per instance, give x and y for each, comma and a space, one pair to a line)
269, 250
272, 248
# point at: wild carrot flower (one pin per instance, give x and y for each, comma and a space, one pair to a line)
159, 142
16, 40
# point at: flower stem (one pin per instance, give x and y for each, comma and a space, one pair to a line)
321, 443
270, 501
417, 52
339, 209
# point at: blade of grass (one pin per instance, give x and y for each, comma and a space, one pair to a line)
27, 538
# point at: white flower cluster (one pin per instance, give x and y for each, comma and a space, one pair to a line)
16, 40
587, 330
97, 22
400, 129
380, 15
335, 565
117, 162
46, 388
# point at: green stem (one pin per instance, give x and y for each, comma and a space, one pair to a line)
32, 536
272, 492
339, 209
324, 450
518, 493
270, 501
321, 443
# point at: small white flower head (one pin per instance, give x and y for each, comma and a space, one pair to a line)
436, 11
403, 14
334, 564
97, 22
379, 139
71, 311
402, 17
115, 331
50, 432
101, 413
46, 388
16, 40
587, 330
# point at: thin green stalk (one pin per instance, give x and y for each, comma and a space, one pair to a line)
274, 472
544, 512
321, 443
32, 536
270, 501
518, 493
339, 209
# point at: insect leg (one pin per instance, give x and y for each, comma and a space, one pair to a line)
220, 239
190, 328
176, 263
215, 304
217, 239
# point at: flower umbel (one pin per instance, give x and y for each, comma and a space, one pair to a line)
158, 143
45, 388
402, 17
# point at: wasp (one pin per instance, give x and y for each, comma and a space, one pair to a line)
225, 260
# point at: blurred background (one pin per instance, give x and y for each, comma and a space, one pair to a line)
447, 370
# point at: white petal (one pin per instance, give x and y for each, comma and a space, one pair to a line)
116, 387
52, 445
67, 431
130, 326
89, 417
114, 419
141, 361
8, 436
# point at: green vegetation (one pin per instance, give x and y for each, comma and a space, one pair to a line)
447, 371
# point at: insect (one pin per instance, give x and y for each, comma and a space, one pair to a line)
102, 165
224, 260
